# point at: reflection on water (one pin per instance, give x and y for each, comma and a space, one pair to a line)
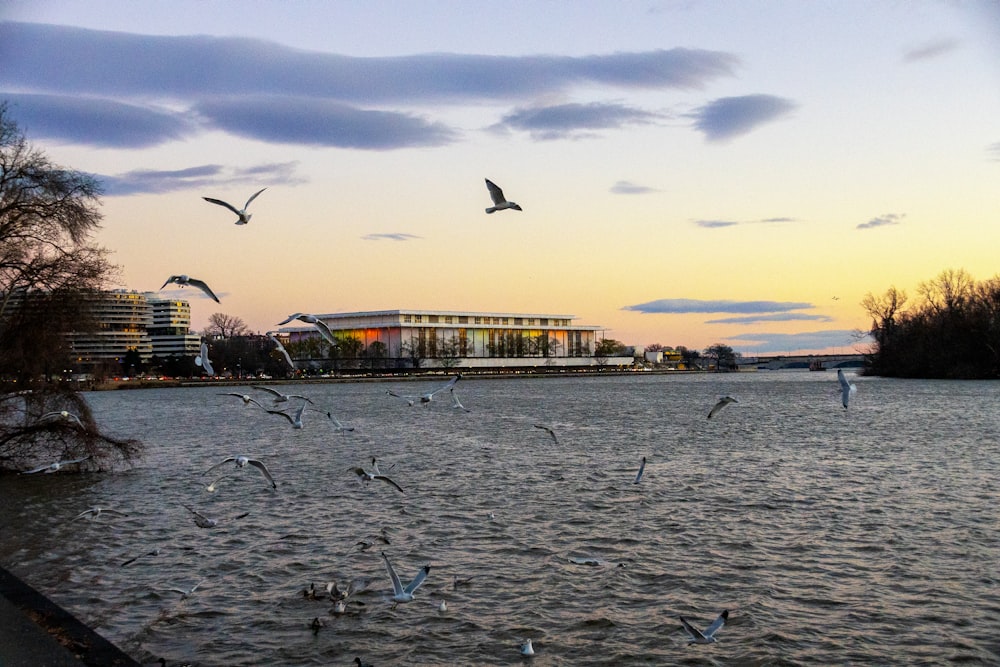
832, 536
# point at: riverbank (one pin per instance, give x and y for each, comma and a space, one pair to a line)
36, 632
369, 376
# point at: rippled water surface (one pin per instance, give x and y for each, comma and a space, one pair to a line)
833, 537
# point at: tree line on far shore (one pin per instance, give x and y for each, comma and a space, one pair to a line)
952, 331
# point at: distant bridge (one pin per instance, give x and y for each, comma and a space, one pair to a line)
823, 361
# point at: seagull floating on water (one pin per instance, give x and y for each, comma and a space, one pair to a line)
184, 281
847, 389
203, 360
358, 663
368, 476
424, 399
696, 636
499, 201
243, 462
54, 467
242, 214
526, 648
723, 402
552, 433
399, 592
642, 467
319, 324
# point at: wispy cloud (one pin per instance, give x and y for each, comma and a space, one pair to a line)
390, 236
767, 343
929, 50
321, 123
729, 117
883, 221
630, 188
74, 87
680, 306
994, 150
573, 120
718, 224
771, 317
141, 181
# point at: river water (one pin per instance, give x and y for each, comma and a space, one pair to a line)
870, 535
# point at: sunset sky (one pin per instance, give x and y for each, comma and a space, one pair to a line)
690, 172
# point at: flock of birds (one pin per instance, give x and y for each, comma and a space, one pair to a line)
500, 203
401, 593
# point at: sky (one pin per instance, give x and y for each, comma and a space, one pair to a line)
690, 172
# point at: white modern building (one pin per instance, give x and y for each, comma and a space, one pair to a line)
170, 329
460, 338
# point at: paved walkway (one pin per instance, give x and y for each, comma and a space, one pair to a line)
30, 623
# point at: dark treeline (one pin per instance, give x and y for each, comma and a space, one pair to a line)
952, 331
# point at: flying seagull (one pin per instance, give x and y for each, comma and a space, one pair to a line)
723, 402
244, 217
548, 430
367, 476
185, 280
399, 593
54, 467
154, 552
429, 396
499, 201
846, 388
247, 399
696, 636
336, 422
457, 404
94, 512
642, 467
201, 520
62, 415
243, 462
320, 325
295, 421
185, 594
203, 360
278, 396
281, 348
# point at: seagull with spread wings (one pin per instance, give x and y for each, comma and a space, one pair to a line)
424, 399
243, 462
243, 216
185, 280
696, 636
55, 467
320, 325
402, 593
499, 201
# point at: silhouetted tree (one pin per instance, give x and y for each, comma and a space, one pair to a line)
47, 214
952, 332
221, 325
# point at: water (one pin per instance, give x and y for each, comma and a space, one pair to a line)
833, 537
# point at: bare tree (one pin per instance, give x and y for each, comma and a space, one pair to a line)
221, 325
47, 214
